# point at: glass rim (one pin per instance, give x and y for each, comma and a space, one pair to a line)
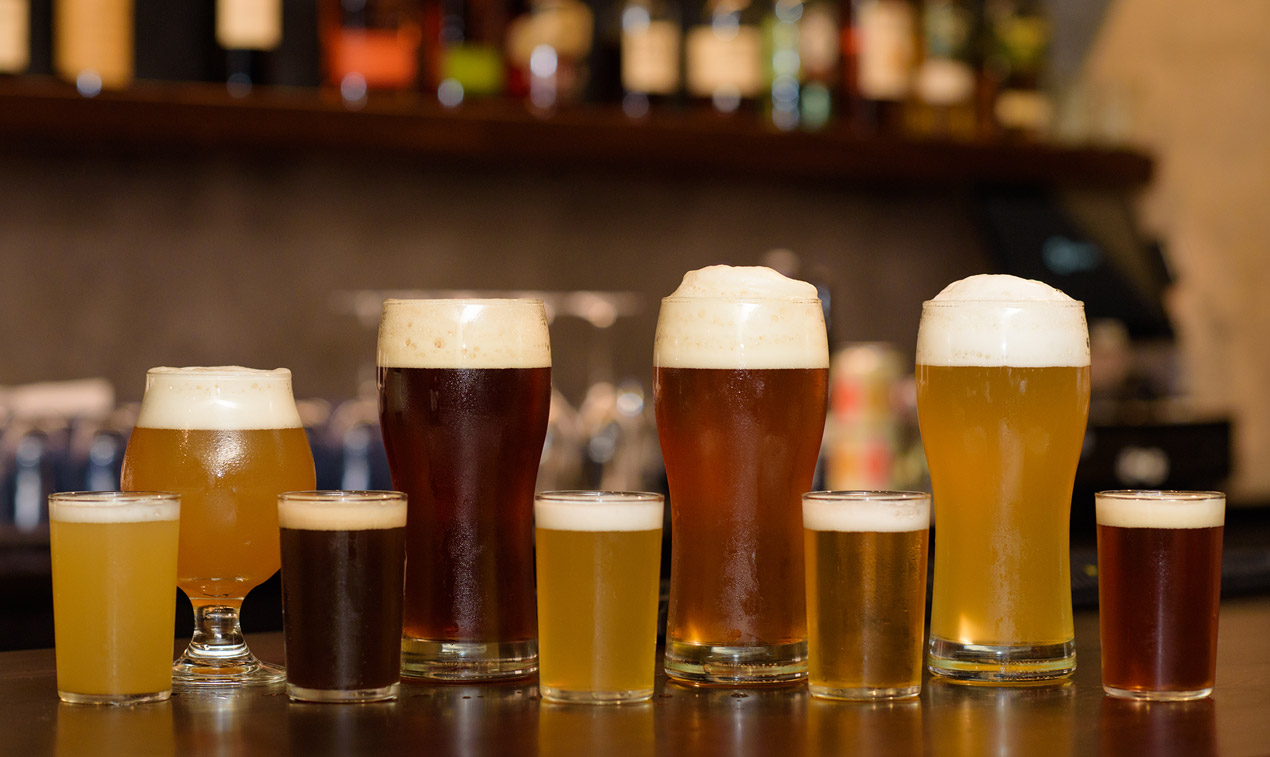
865, 495
1160, 495
1064, 304
504, 301
343, 496
748, 299
597, 496
219, 372
108, 498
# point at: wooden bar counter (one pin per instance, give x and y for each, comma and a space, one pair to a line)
1071, 719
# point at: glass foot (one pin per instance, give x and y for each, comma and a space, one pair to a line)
244, 670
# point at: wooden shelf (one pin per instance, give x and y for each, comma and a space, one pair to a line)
38, 113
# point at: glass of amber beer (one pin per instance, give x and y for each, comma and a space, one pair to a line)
114, 598
866, 592
599, 561
464, 390
343, 568
229, 440
1002, 398
1159, 587
740, 384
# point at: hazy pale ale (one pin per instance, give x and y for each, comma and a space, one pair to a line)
343, 567
114, 580
1159, 586
1002, 398
464, 391
598, 560
740, 383
866, 592
229, 440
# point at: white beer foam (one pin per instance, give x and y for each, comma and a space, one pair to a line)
320, 515
598, 515
1160, 510
870, 515
464, 334
748, 317
998, 320
103, 508
220, 398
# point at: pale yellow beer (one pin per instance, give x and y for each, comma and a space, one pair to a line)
114, 594
1003, 395
598, 559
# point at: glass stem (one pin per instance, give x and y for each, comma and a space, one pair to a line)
217, 633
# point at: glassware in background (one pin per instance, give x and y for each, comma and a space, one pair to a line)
114, 569
343, 569
229, 440
1159, 590
598, 559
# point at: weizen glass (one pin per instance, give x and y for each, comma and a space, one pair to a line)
343, 569
1159, 587
1002, 397
114, 594
866, 592
599, 560
229, 441
464, 391
740, 381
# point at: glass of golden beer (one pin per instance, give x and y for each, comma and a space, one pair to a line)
599, 561
229, 440
1159, 588
740, 384
1002, 398
866, 592
464, 390
114, 598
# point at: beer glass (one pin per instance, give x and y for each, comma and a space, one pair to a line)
464, 389
866, 592
1002, 398
599, 561
229, 441
343, 568
1159, 585
114, 598
740, 385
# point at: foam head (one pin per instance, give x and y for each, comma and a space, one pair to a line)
598, 511
341, 510
997, 320
114, 507
222, 398
887, 512
1160, 509
509, 333
741, 317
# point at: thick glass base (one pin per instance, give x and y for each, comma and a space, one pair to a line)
553, 694
114, 699
195, 671
864, 694
707, 664
1158, 696
993, 665
383, 693
468, 660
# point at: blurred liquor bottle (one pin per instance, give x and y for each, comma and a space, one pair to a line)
819, 44
370, 44
1014, 68
879, 44
93, 43
944, 103
800, 53
176, 41
604, 63
248, 31
723, 54
464, 49
548, 48
15, 36
652, 34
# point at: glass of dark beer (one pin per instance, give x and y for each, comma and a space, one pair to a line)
464, 390
343, 565
1159, 585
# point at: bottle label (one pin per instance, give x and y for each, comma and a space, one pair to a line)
15, 35
650, 58
724, 61
249, 24
885, 49
93, 37
818, 42
945, 82
478, 68
1026, 110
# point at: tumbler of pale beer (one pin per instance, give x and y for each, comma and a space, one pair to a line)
1159, 586
740, 384
464, 389
343, 567
1002, 398
866, 592
599, 561
114, 599
229, 440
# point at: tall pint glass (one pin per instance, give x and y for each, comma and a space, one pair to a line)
229, 441
1002, 398
740, 383
464, 389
